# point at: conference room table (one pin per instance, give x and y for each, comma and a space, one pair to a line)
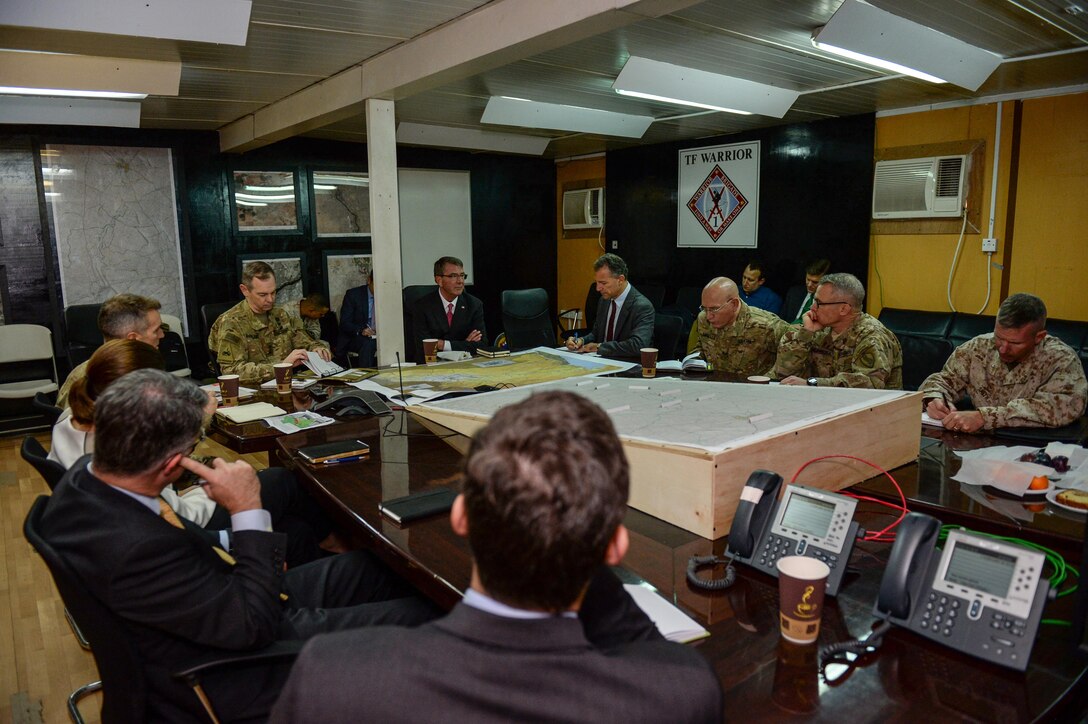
764, 677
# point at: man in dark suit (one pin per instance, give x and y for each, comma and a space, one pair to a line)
179, 597
625, 318
799, 298
357, 333
545, 632
453, 316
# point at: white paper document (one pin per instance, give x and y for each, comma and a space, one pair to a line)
674, 624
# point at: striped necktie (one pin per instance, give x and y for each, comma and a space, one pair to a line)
167, 513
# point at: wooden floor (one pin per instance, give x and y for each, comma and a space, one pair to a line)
41, 662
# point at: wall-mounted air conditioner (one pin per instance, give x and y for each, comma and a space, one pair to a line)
583, 209
919, 187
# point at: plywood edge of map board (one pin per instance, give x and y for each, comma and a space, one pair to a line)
465, 423
886, 434
675, 488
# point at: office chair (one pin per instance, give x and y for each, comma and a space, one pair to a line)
667, 335
45, 406
409, 296
81, 332
172, 347
527, 319
592, 298
654, 293
50, 470
123, 684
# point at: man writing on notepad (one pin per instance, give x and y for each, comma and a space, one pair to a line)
545, 629
251, 336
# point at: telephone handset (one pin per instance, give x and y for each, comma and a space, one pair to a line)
807, 522
978, 595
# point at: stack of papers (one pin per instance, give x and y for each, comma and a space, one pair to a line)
674, 624
297, 383
249, 413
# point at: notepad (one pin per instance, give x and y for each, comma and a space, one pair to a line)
671, 622
249, 413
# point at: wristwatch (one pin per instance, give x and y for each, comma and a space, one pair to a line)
813, 382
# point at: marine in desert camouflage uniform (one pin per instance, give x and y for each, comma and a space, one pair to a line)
255, 334
837, 344
1016, 376
734, 337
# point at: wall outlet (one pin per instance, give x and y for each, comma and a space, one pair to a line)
989, 245
615, 244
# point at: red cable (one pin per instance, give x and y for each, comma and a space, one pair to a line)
885, 535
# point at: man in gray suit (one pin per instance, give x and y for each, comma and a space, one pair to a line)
625, 318
545, 631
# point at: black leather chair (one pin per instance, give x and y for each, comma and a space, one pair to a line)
124, 688
922, 356
208, 314
50, 470
667, 335
81, 331
527, 319
654, 293
409, 296
969, 326
920, 323
45, 406
590, 309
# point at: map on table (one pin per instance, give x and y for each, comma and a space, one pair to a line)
522, 368
709, 416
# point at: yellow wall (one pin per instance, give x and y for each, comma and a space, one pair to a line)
1049, 242
576, 255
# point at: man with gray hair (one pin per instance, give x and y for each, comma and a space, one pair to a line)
124, 316
1016, 376
838, 344
179, 597
625, 318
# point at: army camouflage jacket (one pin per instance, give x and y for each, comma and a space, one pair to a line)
311, 326
747, 346
248, 346
1047, 389
867, 354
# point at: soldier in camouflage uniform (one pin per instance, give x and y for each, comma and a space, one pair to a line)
308, 311
1016, 377
254, 334
838, 345
734, 337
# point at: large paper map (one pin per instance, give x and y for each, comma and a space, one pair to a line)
517, 370
710, 416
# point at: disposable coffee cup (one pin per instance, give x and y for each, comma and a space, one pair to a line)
759, 379
430, 351
228, 390
649, 361
283, 377
801, 584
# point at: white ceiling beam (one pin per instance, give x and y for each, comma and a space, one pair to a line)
89, 73
497, 34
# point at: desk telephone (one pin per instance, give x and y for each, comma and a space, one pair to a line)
354, 402
978, 595
807, 522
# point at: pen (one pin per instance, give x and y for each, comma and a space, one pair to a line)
351, 459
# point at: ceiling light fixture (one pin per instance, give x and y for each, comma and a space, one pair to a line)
870, 35
505, 111
654, 80
69, 93
39, 110
421, 134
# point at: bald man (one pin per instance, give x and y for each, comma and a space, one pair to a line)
734, 337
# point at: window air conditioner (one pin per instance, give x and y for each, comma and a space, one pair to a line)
583, 209
919, 187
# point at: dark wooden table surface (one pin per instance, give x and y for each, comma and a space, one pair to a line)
764, 677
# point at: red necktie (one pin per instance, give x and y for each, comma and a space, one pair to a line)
449, 313
611, 323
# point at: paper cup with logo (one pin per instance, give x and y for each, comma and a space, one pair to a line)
649, 361
430, 351
283, 377
228, 389
801, 584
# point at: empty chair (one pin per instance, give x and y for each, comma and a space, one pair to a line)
527, 319
33, 452
667, 335
27, 365
653, 292
45, 406
922, 356
81, 331
172, 347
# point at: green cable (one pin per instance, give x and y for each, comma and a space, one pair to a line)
1062, 570
1056, 622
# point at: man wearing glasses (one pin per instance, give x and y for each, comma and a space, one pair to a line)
839, 345
734, 337
453, 316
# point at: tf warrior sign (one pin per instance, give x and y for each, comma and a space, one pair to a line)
718, 196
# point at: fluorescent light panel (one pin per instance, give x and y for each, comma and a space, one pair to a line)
871, 35
419, 134
68, 93
652, 79
61, 74
204, 21
505, 111
69, 111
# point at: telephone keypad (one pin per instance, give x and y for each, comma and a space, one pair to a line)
776, 547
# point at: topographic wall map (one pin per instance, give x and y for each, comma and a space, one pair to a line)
114, 218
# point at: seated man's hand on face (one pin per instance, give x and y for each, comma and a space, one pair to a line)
808, 321
234, 485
